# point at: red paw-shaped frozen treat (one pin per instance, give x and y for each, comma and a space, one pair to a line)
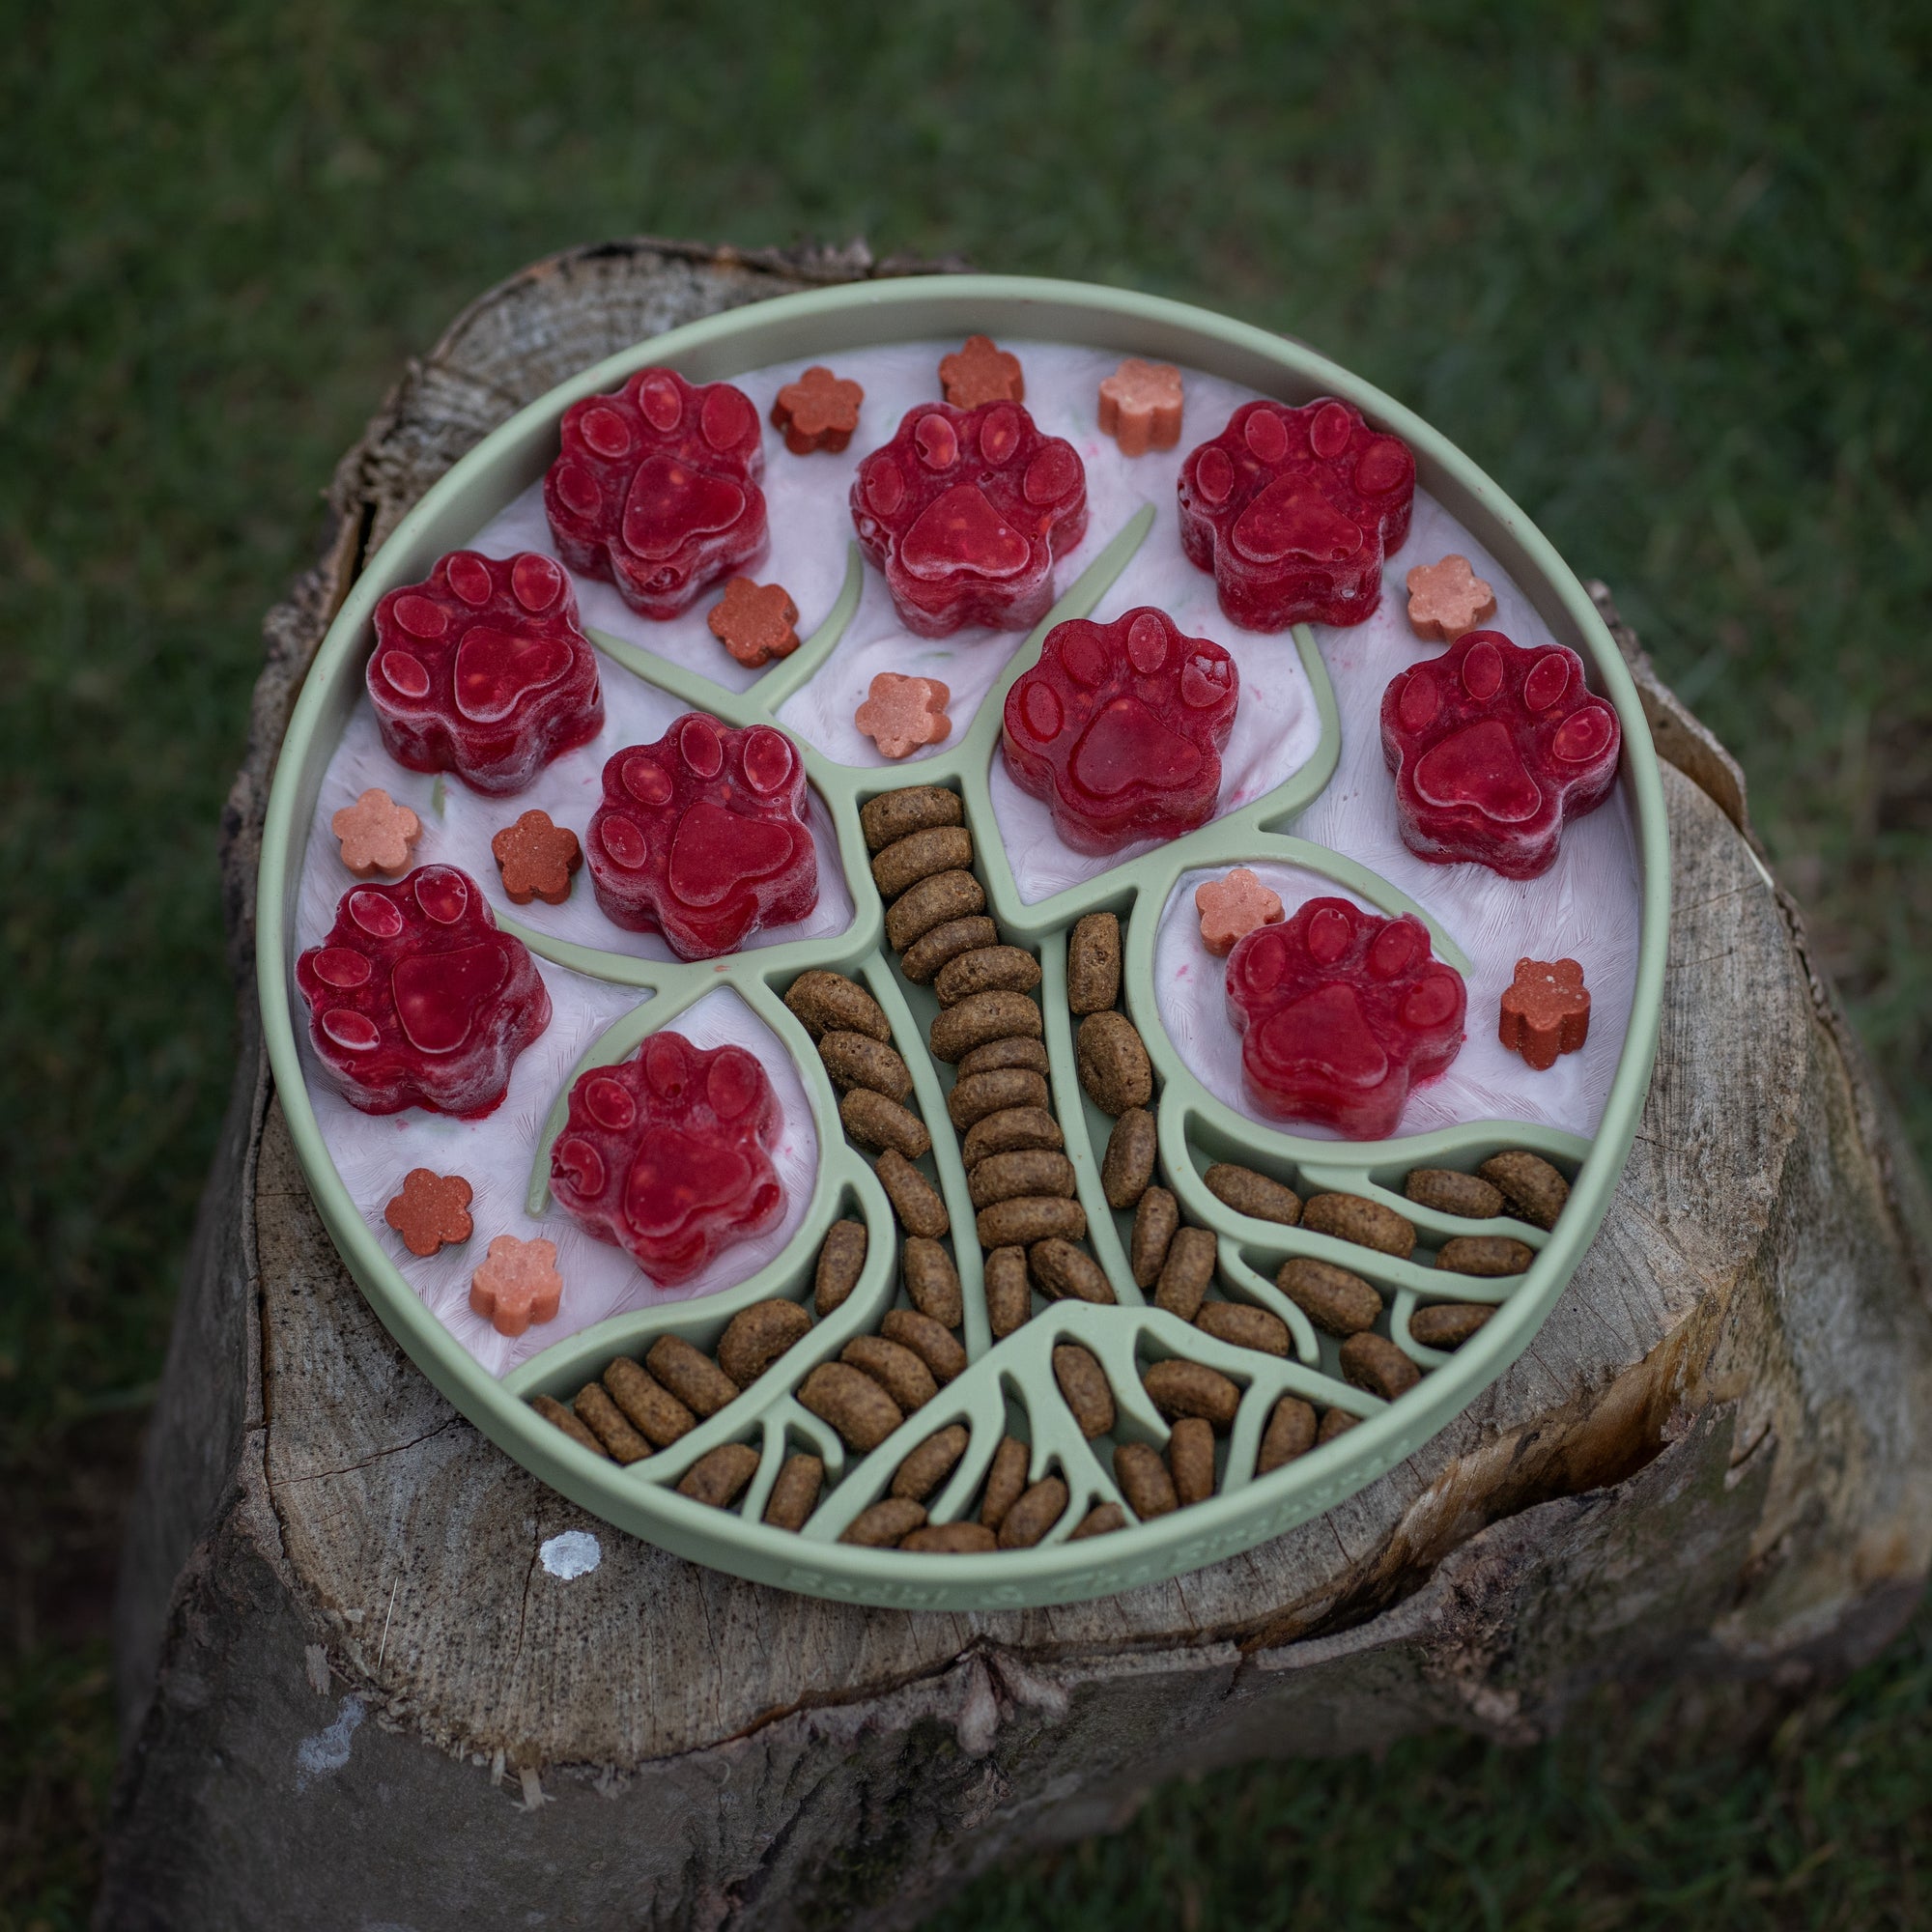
1119, 727
416, 1000
665, 1154
1341, 1013
657, 488
1494, 745
965, 511
483, 671
702, 837
1294, 511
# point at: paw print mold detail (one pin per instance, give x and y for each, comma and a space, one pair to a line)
415, 998
657, 491
1120, 728
964, 511
701, 837
666, 1155
1341, 1013
1293, 512
1493, 747
483, 671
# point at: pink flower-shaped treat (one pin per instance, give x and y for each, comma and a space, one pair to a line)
666, 1155
657, 488
1493, 745
1231, 908
1119, 727
1341, 1012
376, 833
702, 837
516, 1284
1293, 512
965, 511
482, 670
415, 999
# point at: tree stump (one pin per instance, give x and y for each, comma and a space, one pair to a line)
358, 1691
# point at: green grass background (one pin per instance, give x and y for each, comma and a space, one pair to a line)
1662, 269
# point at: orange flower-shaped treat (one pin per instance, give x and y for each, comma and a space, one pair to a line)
1140, 406
432, 1211
982, 373
516, 1284
536, 859
1447, 599
820, 411
376, 834
1546, 1010
1231, 909
900, 714
756, 622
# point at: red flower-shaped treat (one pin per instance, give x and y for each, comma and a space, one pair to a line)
1494, 745
702, 837
965, 511
1545, 1010
1119, 727
1341, 1013
657, 488
820, 411
1294, 511
665, 1154
416, 1000
482, 670
432, 1211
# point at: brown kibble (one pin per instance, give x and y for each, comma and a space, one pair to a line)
1155, 1220
1447, 1324
1244, 1326
981, 372
940, 848
819, 410
1531, 1186
978, 1094
1186, 1273
894, 1368
1337, 1421
998, 1055
874, 1121
718, 1476
1182, 1388
902, 714
914, 1198
898, 814
553, 1412
1190, 1460
432, 1211
1451, 1192
1140, 406
1100, 1521
861, 1412
982, 1017
1113, 1063
1033, 1515
933, 902
1008, 1291
935, 1345
986, 969
1289, 1433
607, 1423
855, 1061
653, 1411
927, 956
932, 1281
1006, 1481
1007, 1177
1011, 1131
1094, 964
1491, 1256
1029, 1219
757, 1336
795, 1494
840, 1260
881, 1527
1373, 1363
696, 1379
931, 1464
1336, 1301
830, 1003
755, 622
1127, 1168
1067, 1273
1254, 1194
536, 859
1085, 1388
951, 1538
1349, 1218
1143, 1480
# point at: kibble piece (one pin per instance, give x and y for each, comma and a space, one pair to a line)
1093, 963
982, 1017
719, 1477
1259, 1195
1349, 1218
931, 1462
1185, 1275
1029, 1219
696, 1379
1289, 1433
898, 814
840, 1260
1181, 1388
1244, 1326
1006, 1480
1489, 1255
932, 902
881, 1527
554, 1413
914, 1198
1155, 1220
1143, 1480
1008, 1292
1337, 1421
795, 1494
1113, 1063
937, 1347
1451, 1192
854, 1061
939, 848
1447, 1324
1033, 1515
925, 956
1190, 1460
1011, 1131
1127, 1168
1006, 1177
610, 1424
1067, 1273
932, 1281
874, 1121
757, 1336
654, 1412
1099, 1521
894, 1368
951, 1538
861, 1412
1085, 1388
997, 1054
986, 969
1375, 1363
830, 1003
978, 1094
1336, 1301
1530, 1185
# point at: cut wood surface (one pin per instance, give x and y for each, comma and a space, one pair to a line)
357, 1694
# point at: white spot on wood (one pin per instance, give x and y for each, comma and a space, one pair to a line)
978, 1718
534, 1791
328, 1749
574, 1554
315, 1664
